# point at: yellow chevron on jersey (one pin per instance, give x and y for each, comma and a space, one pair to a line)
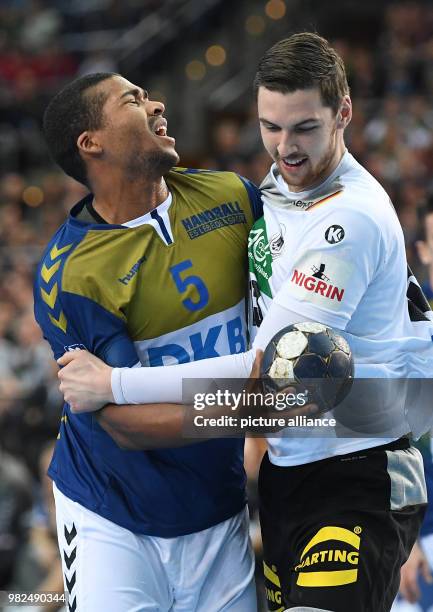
134, 275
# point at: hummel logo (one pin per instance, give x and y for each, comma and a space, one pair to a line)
132, 272
71, 583
73, 605
70, 535
70, 559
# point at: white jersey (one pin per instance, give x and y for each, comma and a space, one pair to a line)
336, 255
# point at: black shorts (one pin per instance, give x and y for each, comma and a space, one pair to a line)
334, 533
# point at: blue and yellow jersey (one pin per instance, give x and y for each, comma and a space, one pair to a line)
168, 290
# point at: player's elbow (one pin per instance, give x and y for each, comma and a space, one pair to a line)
133, 442
114, 428
122, 439
123, 442
122, 433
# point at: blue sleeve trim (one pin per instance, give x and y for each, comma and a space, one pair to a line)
255, 198
196, 171
89, 326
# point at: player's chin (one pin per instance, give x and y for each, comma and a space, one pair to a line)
297, 180
167, 159
170, 152
175, 156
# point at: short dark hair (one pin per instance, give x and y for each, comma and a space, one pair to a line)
424, 209
303, 61
72, 111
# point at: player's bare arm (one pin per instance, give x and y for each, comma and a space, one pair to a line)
144, 427
149, 426
417, 564
140, 426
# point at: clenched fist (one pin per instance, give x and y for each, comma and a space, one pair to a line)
85, 381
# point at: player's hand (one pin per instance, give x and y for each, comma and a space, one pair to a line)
415, 565
85, 381
255, 385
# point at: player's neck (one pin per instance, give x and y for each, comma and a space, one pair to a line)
120, 201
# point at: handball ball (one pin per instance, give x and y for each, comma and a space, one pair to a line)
310, 355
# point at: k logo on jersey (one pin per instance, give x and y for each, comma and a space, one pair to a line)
334, 234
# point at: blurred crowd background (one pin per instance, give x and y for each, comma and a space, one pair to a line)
199, 58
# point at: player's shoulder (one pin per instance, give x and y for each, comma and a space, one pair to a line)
200, 176
362, 192
70, 258
57, 251
362, 199
216, 186
221, 181
358, 210
48, 279
67, 238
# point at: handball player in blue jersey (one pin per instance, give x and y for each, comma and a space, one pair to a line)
339, 515
127, 277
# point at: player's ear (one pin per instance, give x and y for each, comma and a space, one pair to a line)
87, 142
423, 252
344, 114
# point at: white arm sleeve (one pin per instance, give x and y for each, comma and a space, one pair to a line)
164, 383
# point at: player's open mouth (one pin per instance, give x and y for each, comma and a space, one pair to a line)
160, 130
293, 164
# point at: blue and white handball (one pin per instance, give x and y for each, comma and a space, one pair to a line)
310, 354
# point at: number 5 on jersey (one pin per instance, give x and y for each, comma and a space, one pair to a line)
182, 285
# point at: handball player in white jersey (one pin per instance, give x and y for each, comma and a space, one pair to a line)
339, 516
